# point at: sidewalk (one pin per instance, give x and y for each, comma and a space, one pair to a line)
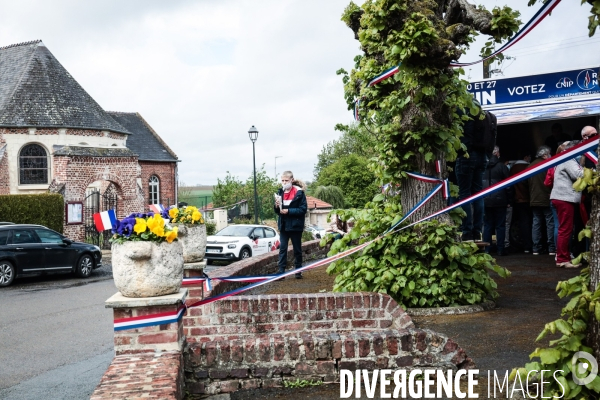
496, 340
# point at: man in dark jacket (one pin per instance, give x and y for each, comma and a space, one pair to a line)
469, 175
290, 205
496, 203
539, 200
521, 209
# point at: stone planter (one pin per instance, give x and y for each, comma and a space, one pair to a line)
193, 239
147, 269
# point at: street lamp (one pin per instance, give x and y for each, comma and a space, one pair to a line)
253, 134
276, 157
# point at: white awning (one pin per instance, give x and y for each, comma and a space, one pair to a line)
514, 114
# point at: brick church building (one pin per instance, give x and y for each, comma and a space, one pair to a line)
55, 137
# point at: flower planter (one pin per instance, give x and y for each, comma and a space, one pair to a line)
193, 239
147, 269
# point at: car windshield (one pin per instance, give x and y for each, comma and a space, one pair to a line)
235, 230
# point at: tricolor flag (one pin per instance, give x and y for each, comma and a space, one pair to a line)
157, 208
105, 220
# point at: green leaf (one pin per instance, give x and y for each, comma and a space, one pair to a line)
379, 197
549, 356
563, 326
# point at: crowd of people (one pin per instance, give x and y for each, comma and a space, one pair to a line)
540, 215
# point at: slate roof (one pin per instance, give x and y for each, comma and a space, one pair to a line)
143, 141
37, 91
92, 151
314, 203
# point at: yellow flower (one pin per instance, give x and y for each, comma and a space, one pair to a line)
196, 216
140, 226
173, 212
156, 225
171, 235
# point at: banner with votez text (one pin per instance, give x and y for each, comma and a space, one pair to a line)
556, 85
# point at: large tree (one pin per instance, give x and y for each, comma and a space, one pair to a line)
414, 113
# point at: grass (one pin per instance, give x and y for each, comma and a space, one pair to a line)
195, 196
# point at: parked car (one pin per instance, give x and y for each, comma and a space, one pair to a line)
317, 232
237, 242
34, 249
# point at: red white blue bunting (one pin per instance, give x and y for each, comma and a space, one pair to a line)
592, 156
553, 161
445, 185
528, 27
384, 75
149, 320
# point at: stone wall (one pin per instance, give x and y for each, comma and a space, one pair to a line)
260, 341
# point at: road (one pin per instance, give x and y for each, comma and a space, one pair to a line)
56, 336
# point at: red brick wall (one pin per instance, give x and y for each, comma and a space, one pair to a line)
261, 341
78, 172
156, 376
166, 176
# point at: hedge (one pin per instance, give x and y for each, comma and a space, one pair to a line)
46, 209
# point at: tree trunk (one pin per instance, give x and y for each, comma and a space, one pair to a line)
594, 324
413, 191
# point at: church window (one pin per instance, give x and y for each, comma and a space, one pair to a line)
154, 190
33, 165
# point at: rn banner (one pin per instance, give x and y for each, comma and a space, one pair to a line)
577, 82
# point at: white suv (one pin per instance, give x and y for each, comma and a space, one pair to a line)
237, 242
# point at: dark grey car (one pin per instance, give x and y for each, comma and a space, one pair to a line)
34, 249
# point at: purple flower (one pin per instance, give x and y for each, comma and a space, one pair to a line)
115, 228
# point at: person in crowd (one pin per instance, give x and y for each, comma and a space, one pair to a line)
539, 200
469, 176
557, 137
509, 213
521, 209
496, 203
566, 200
549, 182
581, 217
290, 205
337, 227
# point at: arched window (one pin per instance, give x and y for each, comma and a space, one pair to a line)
33, 165
153, 190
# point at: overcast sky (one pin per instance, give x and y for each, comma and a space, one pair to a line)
202, 72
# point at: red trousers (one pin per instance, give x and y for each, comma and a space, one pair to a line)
566, 214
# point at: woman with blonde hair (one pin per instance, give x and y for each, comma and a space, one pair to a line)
290, 205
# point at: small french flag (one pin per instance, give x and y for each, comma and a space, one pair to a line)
438, 166
157, 208
105, 220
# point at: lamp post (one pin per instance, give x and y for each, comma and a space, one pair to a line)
276, 157
253, 134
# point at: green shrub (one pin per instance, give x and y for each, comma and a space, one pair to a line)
46, 209
307, 236
211, 228
419, 267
